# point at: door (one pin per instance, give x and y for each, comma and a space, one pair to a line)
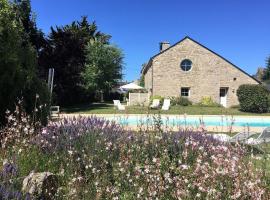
223, 96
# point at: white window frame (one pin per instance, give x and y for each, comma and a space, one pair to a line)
185, 88
185, 66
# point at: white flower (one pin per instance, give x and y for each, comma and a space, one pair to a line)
184, 167
167, 175
62, 171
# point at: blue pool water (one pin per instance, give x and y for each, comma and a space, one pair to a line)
196, 120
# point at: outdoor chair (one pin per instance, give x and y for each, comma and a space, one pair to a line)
239, 137
155, 103
245, 137
121, 107
264, 137
242, 136
55, 111
118, 105
166, 104
115, 103
222, 137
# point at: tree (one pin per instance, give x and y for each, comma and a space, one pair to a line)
18, 60
267, 71
141, 81
32, 34
103, 67
66, 53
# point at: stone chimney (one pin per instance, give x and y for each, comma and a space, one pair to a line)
163, 45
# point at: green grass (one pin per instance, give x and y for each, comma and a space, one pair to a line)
107, 108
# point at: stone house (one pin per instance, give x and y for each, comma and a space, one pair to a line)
191, 70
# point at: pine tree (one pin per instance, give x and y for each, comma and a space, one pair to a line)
267, 72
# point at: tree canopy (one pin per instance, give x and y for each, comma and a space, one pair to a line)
267, 71
103, 66
65, 52
83, 59
18, 60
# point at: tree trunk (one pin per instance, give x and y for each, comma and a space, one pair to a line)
101, 96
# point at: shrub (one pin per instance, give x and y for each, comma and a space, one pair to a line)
182, 101
57, 135
96, 158
235, 106
20, 127
128, 163
161, 99
8, 179
208, 101
36, 95
253, 98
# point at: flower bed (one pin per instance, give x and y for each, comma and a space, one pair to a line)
97, 159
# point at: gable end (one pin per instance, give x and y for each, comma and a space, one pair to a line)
145, 68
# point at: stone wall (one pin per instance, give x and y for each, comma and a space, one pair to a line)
208, 74
138, 99
148, 80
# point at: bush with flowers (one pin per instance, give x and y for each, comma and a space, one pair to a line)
98, 159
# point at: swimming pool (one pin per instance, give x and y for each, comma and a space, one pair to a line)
225, 121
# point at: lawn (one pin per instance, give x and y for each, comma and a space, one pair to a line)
108, 108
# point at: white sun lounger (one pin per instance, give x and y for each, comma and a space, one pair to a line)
264, 137
166, 104
242, 136
221, 137
239, 137
121, 107
115, 103
55, 111
118, 105
155, 103
245, 137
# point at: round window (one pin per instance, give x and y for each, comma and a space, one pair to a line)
186, 65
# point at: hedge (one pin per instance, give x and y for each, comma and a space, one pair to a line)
253, 98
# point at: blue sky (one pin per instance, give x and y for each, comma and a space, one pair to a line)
238, 30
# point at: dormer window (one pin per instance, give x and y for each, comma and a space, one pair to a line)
186, 65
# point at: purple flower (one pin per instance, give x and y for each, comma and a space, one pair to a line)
61, 134
9, 170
